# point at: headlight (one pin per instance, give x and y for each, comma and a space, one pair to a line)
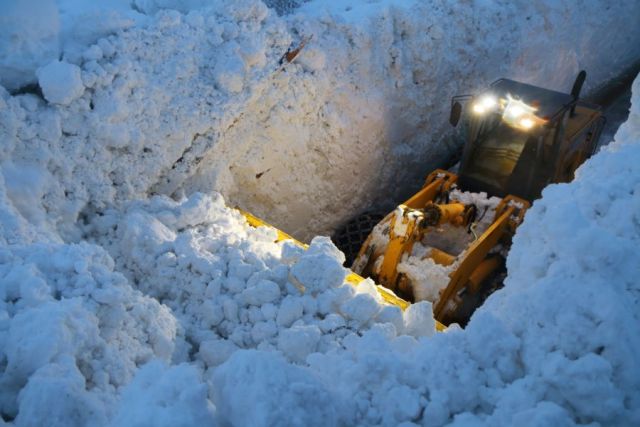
516, 109
514, 112
484, 104
519, 115
526, 123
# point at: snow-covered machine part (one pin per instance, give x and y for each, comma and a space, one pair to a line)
456, 281
519, 138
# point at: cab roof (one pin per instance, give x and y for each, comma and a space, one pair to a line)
549, 103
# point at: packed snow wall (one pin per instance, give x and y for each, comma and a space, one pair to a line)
176, 312
179, 313
194, 100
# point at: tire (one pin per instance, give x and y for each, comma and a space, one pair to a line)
350, 237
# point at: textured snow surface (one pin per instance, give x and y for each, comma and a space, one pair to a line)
197, 321
191, 285
60, 82
189, 100
118, 307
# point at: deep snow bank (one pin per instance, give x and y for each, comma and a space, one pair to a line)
201, 319
169, 312
556, 346
193, 102
191, 285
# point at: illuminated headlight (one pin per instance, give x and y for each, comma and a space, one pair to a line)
519, 114
526, 123
515, 109
484, 104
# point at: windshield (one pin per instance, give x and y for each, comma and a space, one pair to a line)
495, 152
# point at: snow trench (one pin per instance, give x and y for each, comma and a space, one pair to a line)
131, 294
196, 101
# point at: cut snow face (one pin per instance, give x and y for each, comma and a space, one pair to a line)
119, 306
187, 100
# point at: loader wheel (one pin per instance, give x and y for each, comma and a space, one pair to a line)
350, 237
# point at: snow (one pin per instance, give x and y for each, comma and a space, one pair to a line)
248, 393
165, 396
61, 82
122, 306
418, 316
427, 277
194, 99
28, 39
63, 309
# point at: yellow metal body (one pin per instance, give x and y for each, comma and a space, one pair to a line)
452, 213
403, 233
473, 264
351, 278
404, 227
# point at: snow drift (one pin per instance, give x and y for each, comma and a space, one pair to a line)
183, 102
121, 307
180, 313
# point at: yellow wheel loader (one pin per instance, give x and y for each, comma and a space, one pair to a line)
440, 243
518, 139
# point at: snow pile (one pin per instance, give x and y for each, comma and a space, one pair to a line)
72, 331
199, 284
232, 287
191, 100
556, 346
119, 308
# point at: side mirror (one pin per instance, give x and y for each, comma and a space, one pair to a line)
456, 111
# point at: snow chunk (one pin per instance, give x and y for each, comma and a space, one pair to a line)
299, 341
418, 320
320, 267
40, 335
61, 82
165, 396
56, 396
265, 291
401, 403
261, 389
290, 310
362, 308
428, 278
332, 322
216, 352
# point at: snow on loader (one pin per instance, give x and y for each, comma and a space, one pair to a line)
449, 242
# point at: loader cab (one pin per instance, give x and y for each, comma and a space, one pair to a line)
520, 138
